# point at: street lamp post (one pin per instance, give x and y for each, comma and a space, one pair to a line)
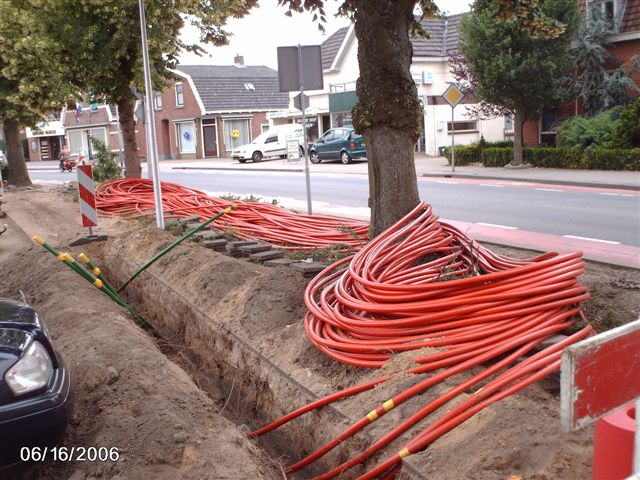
152, 148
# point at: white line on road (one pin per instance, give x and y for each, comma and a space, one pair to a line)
617, 194
447, 181
489, 185
497, 226
591, 239
549, 190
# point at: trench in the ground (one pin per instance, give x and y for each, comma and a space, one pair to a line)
250, 389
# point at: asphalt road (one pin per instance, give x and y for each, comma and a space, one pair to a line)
592, 213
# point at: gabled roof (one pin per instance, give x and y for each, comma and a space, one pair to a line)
331, 46
443, 37
231, 88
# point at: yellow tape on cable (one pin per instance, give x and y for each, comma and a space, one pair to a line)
372, 416
388, 405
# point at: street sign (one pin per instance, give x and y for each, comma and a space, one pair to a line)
300, 62
452, 95
293, 150
298, 103
599, 375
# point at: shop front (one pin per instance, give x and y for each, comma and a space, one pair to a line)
45, 141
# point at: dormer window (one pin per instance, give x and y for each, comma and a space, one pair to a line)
249, 87
605, 9
179, 95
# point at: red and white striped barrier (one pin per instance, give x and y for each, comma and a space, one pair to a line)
87, 195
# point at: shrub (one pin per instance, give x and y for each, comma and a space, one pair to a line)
105, 167
611, 159
549, 157
496, 157
583, 133
465, 154
626, 131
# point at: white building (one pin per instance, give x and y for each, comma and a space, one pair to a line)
331, 107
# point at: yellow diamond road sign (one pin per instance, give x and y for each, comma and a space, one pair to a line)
453, 95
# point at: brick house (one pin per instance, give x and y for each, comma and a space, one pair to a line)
211, 109
625, 17
91, 121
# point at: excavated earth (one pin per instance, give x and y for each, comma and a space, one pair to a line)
228, 349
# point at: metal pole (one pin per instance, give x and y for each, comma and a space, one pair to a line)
453, 150
304, 131
152, 148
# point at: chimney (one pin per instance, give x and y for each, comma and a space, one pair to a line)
238, 60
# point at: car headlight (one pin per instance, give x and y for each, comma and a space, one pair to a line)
31, 372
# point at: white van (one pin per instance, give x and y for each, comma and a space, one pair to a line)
272, 143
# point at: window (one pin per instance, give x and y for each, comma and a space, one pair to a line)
186, 137
508, 123
548, 128
463, 126
158, 102
74, 141
179, 95
264, 127
605, 9
271, 139
328, 136
99, 134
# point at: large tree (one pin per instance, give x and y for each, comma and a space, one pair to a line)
517, 68
102, 45
32, 80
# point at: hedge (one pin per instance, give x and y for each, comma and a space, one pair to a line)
465, 155
549, 157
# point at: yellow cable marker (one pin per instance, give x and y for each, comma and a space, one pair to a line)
38, 239
96, 271
388, 405
227, 210
98, 283
69, 258
84, 258
61, 257
404, 453
372, 416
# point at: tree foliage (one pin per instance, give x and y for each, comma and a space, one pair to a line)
105, 166
32, 78
584, 133
514, 67
626, 132
601, 81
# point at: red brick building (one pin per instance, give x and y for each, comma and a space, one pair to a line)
625, 16
211, 109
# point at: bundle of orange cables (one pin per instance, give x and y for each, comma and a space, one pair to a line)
250, 220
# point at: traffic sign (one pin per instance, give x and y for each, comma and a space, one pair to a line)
452, 95
297, 102
599, 375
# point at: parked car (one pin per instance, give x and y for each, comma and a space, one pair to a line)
342, 144
272, 143
35, 387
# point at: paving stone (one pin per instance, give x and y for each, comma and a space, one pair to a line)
310, 269
233, 248
219, 244
278, 261
256, 248
267, 255
192, 219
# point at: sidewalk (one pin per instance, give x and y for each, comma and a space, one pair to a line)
425, 166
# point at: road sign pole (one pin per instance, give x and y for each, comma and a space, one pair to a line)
307, 175
152, 147
453, 150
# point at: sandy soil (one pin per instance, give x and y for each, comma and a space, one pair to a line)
519, 436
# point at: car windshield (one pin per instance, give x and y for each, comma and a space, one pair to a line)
261, 138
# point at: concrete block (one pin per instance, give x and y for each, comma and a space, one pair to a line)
219, 244
308, 269
261, 257
279, 261
191, 219
255, 248
233, 248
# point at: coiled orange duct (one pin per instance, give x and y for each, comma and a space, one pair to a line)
251, 220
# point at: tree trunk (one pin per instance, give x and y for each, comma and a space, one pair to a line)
518, 122
18, 174
388, 112
128, 129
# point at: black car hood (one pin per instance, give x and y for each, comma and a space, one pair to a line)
18, 315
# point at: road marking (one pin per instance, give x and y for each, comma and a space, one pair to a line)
447, 181
489, 185
591, 239
549, 190
617, 194
506, 227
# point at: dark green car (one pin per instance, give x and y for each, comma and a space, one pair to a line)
342, 144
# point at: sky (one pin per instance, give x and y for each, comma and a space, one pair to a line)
257, 35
